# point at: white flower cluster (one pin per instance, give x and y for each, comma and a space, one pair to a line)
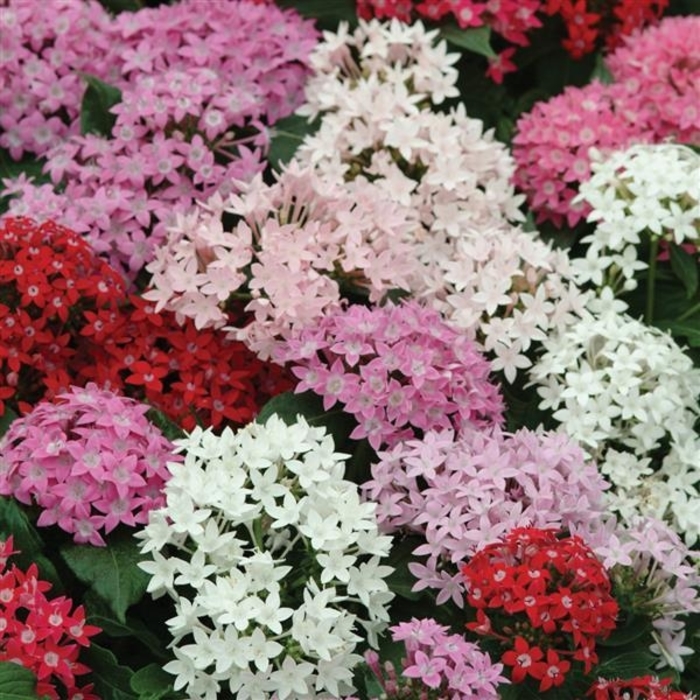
374, 91
628, 392
646, 190
272, 560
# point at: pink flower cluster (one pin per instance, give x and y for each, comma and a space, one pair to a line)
90, 460
553, 141
199, 91
298, 246
45, 47
463, 493
399, 370
661, 69
437, 662
655, 96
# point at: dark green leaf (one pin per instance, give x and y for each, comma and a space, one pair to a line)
684, 331
170, 429
628, 665
152, 682
112, 681
627, 632
99, 98
29, 545
6, 420
133, 627
16, 682
286, 135
111, 572
475, 39
329, 10
116, 6
401, 580
685, 267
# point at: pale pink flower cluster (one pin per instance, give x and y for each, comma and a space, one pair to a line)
659, 573
45, 46
201, 83
399, 370
661, 69
463, 492
296, 249
374, 91
437, 661
91, 461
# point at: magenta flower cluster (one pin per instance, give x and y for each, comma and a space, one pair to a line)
463, 492
44, 52
437, 664
654, 96
199, 90
91, 461
399, 370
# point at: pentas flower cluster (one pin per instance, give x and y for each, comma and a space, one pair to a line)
461, 493
553, 141
624, 389
43, 55
546, 598
655, 578
90, 460
639, 688
52, 286
472, 265
296, 249
272, 560
588, 23
661, 68
193, 119
437, 664
645, 193
193, 376
44, 635
654, 97
399, 370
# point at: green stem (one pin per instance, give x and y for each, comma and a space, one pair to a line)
651, 280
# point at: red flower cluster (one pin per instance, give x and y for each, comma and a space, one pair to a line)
40, 634
641, 688
194, 376
51, 286
66, 319
588, 22
545, 598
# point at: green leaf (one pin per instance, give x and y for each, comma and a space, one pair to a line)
116, 6
600, 71
16, 682
152, 682
688, 330
627, 632
329, 10
6, 420
475, 39
112, 681
401, 580
685, 267
99, 98
286, 135
627, 665
111, 572
133, 627
14, 521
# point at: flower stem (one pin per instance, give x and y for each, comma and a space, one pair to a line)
651, 280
